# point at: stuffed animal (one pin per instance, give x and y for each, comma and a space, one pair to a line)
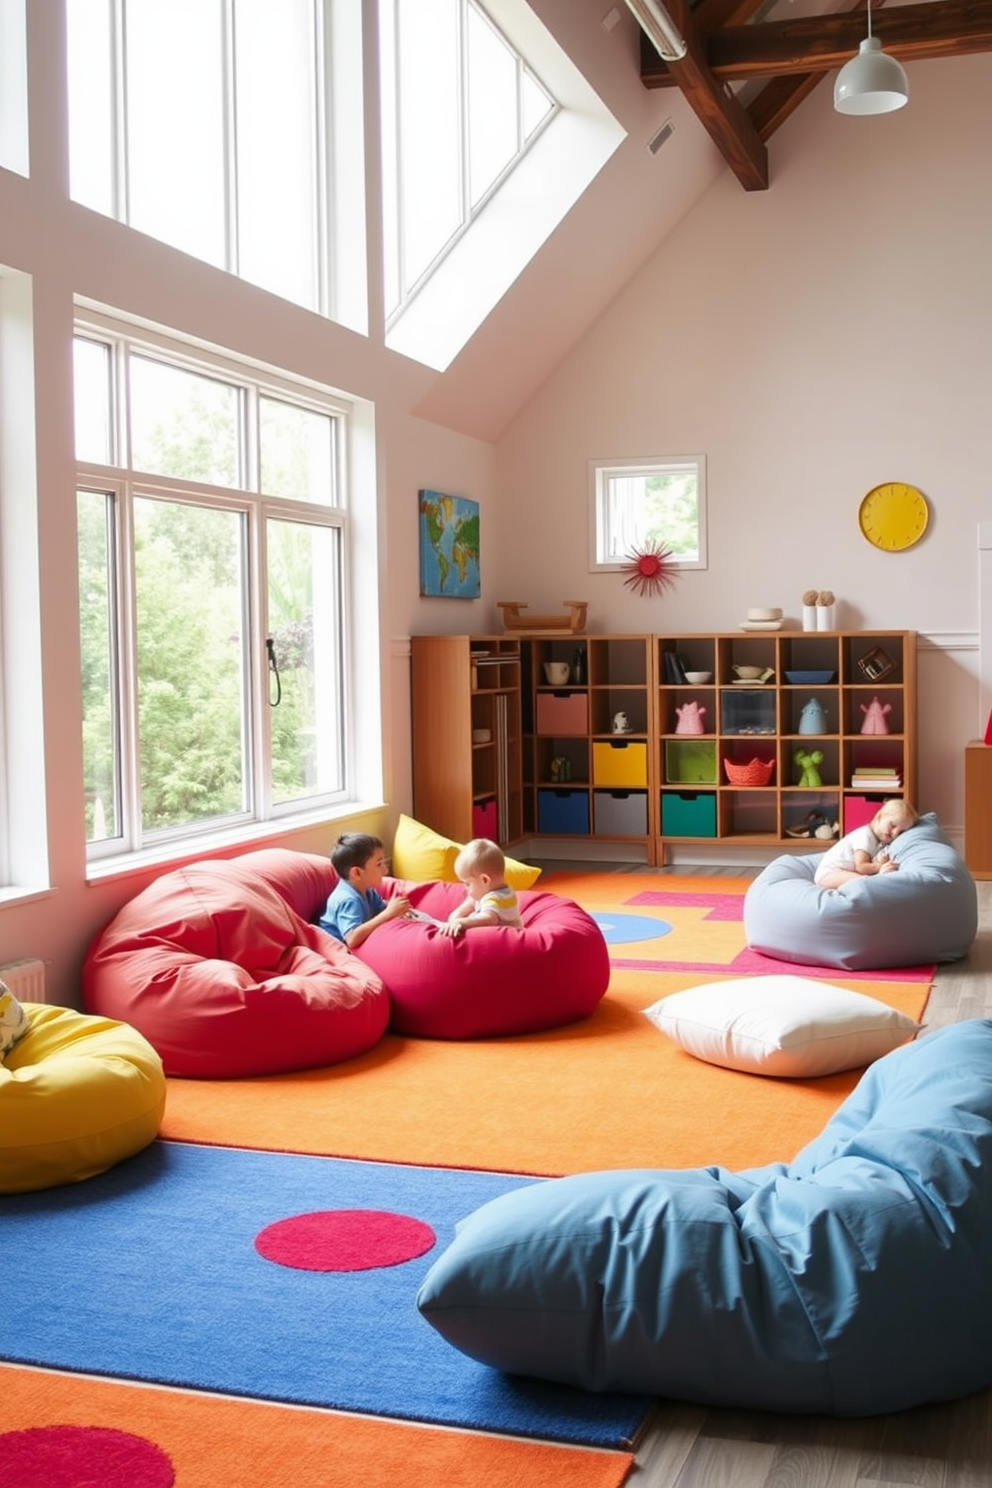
808, 762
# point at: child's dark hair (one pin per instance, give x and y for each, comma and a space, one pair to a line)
353, 850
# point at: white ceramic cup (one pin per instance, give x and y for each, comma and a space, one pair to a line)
557, 672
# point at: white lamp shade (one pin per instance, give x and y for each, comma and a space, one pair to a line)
871, 83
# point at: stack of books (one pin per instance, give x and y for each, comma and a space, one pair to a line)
871, 778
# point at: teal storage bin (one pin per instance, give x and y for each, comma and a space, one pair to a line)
688, 814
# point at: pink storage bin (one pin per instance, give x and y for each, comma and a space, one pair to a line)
561, 713
484, 819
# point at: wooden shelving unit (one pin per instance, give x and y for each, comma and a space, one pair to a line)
584, 777
463, 688
841, 672
555, 765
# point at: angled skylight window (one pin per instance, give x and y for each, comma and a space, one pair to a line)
255, 170
13, 87
459, 109
490, 135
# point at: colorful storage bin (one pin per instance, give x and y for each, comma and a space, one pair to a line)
623, 763
484, 819
560, 713
688, 814
563, 812
620, 813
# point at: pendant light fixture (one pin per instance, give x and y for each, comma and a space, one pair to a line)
872, 82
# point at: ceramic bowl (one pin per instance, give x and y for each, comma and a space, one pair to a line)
759, 614
749, 673
557, 672
697, 677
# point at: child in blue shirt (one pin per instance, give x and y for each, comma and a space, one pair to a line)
355, 906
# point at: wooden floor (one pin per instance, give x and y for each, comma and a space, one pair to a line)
939, 1446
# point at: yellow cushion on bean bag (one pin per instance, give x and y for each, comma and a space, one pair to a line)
422, 855
77, 1095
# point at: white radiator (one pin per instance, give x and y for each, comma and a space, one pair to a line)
26, 979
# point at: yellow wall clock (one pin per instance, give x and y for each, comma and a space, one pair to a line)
893, 516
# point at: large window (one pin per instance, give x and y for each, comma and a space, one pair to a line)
661, 503
214, 125
460, 107
212, 538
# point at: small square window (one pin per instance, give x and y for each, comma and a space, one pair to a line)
635, 502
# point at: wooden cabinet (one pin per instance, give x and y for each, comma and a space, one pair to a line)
587, 736
789, 738
465, 711
978, 808
587, 724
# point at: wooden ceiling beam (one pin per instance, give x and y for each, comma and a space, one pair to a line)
718, 110
910, 33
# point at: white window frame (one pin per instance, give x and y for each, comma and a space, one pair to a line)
337, 205
124, 485
601, 523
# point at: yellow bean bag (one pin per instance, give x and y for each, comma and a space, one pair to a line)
77, 1094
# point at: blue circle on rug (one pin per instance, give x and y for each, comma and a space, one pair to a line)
621, 929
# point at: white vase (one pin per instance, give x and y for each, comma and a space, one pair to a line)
825, 617
809, 617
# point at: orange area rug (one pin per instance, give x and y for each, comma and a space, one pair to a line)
213, 1441
610, 1092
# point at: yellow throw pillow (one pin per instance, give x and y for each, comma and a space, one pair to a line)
422, 855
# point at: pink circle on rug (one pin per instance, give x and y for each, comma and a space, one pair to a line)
79, 1456
344, 1240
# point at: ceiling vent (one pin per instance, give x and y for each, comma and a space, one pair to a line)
664, 133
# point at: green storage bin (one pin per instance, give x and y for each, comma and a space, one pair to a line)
688, 814
690, 761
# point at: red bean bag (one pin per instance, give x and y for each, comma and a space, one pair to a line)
495, 980
218, 966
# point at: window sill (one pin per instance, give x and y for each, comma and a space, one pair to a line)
171, 855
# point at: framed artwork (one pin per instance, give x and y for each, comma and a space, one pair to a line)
449, 546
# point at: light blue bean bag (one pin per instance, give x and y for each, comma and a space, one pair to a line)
928, 911
855, 1280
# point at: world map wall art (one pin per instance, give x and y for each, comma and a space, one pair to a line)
449, 546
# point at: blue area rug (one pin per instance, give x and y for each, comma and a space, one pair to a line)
150, 1272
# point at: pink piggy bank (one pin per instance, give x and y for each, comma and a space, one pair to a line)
690, 719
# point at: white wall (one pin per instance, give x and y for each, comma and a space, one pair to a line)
811, 341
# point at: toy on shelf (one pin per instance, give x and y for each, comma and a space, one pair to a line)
570, 624
690, 718
875, 720
808, 762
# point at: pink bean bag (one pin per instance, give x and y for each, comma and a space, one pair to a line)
489, 981
218, 966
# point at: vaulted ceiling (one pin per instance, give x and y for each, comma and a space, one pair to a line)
750, 63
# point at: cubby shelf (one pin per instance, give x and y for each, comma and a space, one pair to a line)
599, 751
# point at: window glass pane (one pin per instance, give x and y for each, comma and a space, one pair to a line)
91, 103
183, 424
306, 712
190, 607
92, 401
275, 109
296, 452
658, 504
97, 634
492, 103
535, 103
175, 124
13, 87
429, 130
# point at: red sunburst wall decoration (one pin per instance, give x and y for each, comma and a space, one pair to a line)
650, 569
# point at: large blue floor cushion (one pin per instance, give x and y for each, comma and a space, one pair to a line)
852, 1281
927, 911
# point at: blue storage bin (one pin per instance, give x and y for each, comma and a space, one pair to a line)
563, 812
